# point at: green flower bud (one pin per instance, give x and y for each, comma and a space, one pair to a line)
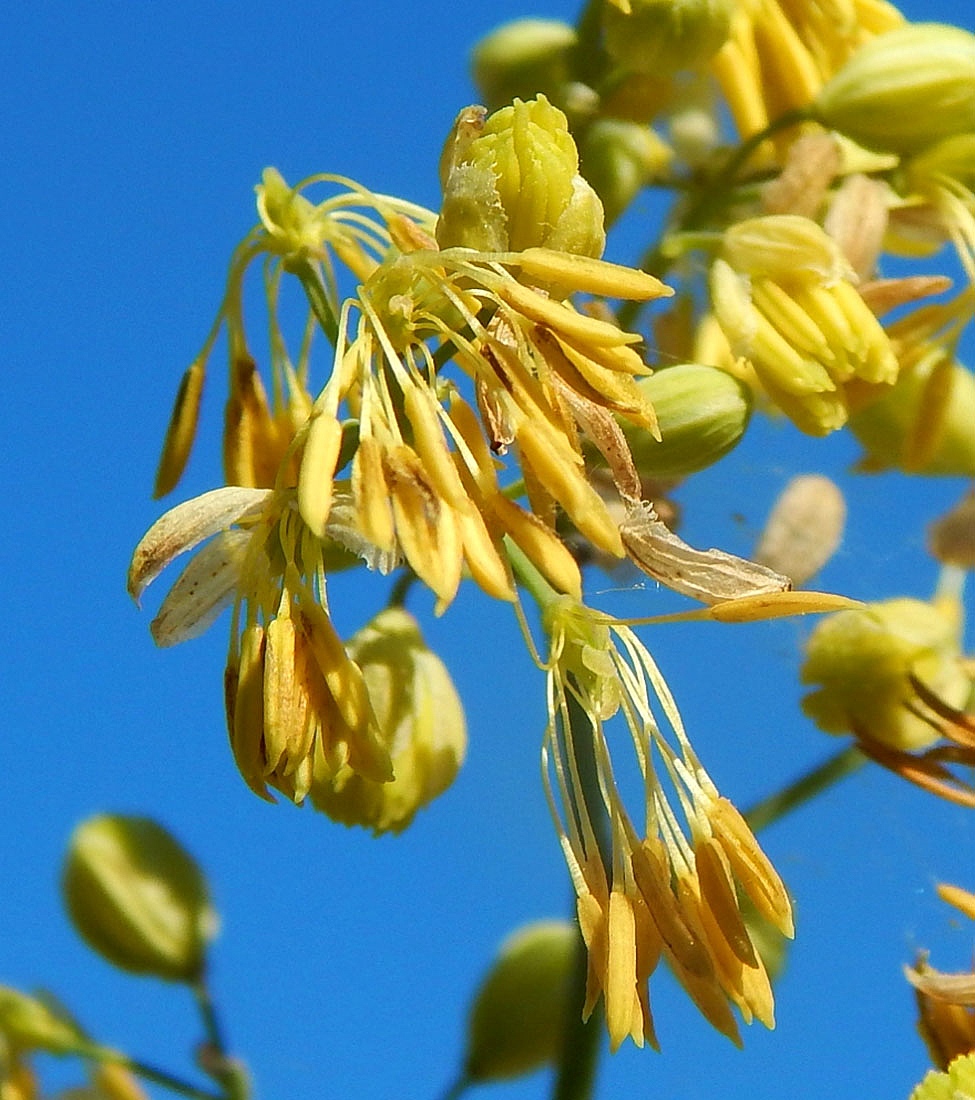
523, 58
420, 721
138, 898
27, 1023
863, 659
923, 425
665, 36
702, 413
905, 89
619, 158
512, 182
517, 1020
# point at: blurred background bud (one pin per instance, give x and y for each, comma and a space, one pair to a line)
138, 898
923, 424
28, 1023
905, 89
702, 413
521, 59
951, 539
665, 36
804, 528
420, 720
618, 159
517, 1020
862, 661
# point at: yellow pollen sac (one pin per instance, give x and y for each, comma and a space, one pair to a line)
317, 471
588, 275
576, 326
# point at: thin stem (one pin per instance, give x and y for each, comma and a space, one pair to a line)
791, 797
317, 297
167, 1080
528, 576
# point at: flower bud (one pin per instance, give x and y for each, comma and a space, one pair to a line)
293, 224
863, 660
702, 413
27, 1023
517, 1020
137, 897
619, 159
665, 36
420, 721
951, 539
923, 425
512, 182
905, 89
521, 59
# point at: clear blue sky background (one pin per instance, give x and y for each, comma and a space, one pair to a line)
132, 136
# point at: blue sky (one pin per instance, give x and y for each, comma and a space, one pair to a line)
133, 136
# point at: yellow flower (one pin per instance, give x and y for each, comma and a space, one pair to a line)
353, 228
946, 1002
292, 692
671, 884
942, 178
784, 296
864, 662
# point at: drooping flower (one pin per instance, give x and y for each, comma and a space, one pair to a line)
665, 885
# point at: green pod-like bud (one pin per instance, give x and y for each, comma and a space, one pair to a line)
923, 424
420, 721
138, 898
702, 413
665, 36
862, 661
904, 90
522, 58
619, 158
517, 1020
27, 1023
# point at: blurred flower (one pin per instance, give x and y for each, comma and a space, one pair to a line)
523, 58
673, 890
862, 661
662, 37
783, 294
804, 528
420, 720
946, 1002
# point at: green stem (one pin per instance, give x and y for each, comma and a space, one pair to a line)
714, 192
582, 1043
317, 297
790, 798
167, 1080
215, 1060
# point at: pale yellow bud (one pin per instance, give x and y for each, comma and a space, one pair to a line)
862, 661
138, 898
664, 36
27, 1023
904, 90
512, 182
419, 718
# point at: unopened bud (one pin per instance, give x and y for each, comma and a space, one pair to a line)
904, 90
27, 1023
420, 721
137, 897
952, 538
665, 36
523, 58
512, 182
702, 413
923, 425
619, 159
517, 1020
863, 659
